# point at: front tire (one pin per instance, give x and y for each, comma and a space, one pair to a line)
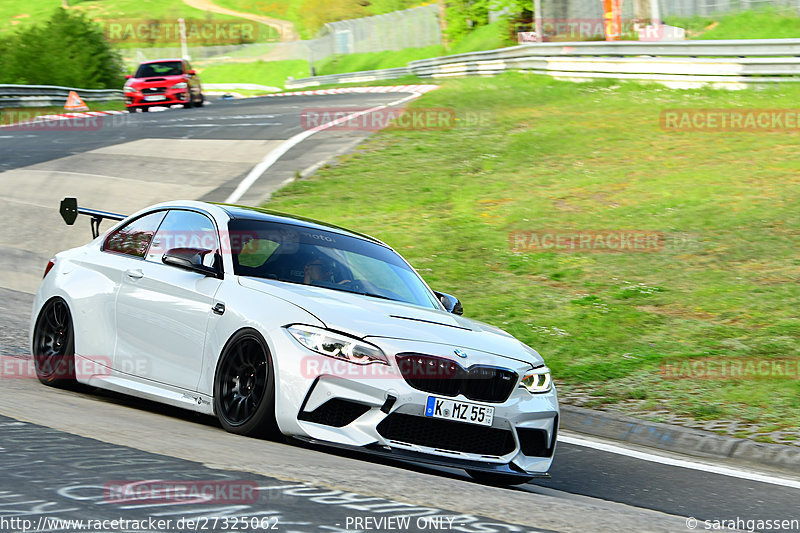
498, 480
244, 387
54, 344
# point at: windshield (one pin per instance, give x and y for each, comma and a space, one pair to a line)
310, 256
165, 68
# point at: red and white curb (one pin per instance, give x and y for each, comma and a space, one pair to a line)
62, 116
419, 89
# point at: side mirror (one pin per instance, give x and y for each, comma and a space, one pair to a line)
192, 259
450, 303
128, 76
192, 72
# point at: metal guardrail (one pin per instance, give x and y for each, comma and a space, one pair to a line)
733, 64
51, 95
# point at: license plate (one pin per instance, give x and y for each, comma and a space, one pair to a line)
471, 413
155, 98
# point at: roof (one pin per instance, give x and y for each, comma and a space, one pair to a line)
258, 213
161, 60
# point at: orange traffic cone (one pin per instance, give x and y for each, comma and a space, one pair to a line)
75, 103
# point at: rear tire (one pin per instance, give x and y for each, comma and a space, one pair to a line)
498, 480
54, 344
244, 387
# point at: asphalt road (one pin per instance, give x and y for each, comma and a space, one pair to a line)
122, 163
59, 450
100, 482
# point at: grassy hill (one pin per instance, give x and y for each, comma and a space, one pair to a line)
309, 16
533, 154
17, 13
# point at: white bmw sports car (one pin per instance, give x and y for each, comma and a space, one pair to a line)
280, 324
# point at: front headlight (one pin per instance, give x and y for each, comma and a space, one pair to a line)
181, 85
538, 380
128, 89
337, 345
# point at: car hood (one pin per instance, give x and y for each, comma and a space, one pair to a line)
364, 317
155, 80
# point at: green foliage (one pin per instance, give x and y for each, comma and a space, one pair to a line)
68, 50
465, 15
489, 37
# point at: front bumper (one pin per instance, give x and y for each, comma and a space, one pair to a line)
375, 408
170, 97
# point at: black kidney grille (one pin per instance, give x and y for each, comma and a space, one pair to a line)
446, 435
437, 375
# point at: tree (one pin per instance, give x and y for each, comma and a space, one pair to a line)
68, 50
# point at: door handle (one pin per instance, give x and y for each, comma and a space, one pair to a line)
219, 308
134, 274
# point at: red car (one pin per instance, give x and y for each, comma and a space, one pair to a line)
163, 82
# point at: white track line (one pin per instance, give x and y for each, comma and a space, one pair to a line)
681, 463
272, 157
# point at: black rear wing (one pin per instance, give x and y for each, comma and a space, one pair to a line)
70, 211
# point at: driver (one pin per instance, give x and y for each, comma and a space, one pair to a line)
318, 269
321, 269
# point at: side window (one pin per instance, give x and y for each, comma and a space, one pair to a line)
184, 229
134, 238
255, 252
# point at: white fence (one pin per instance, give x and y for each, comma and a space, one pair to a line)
681, 64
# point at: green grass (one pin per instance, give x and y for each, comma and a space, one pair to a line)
17, 13
272, 73
531, 153
486, 37
290, 10
309, 16
761, 24
376, 60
